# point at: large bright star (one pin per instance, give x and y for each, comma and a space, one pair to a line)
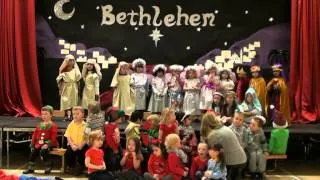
156, 36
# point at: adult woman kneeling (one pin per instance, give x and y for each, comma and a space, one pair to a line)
234, 154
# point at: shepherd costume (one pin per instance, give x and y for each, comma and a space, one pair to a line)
123, 95
68, 83
91, 83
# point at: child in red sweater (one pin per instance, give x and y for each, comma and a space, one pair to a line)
157, 164
112, 149
176, 157
94, 158
168, 124
199, 163
132, 156
43, 140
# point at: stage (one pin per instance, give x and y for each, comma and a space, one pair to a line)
9, 124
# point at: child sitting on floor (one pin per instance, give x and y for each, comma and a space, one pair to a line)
216, 164
76, 141
188, 136
168, 124
239, 129
43, 140
132, 156
133, 128
176, 157
157, 163
94, 158
199, 163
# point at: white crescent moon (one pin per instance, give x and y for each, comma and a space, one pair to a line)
58, 11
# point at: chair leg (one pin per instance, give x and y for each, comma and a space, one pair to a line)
62, 164
275, 164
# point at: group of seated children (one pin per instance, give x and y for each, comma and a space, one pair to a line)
166, 149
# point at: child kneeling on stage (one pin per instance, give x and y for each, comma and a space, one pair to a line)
43, 140
76, 137
94, 158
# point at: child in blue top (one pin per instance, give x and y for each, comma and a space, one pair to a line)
216, 164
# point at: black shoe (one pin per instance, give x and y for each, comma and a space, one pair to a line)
28, 171
48, 168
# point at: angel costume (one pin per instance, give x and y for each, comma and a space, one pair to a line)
139, 83
191, 97
123, 95
159, 90
174, 88
227, 84
68, 84
91, 83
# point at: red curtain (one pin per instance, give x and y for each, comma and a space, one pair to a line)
19, 81
305, 60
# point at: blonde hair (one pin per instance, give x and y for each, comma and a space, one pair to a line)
171, 141
165, 115
203, 144
208, 123
155, 118
75, 108
95, 135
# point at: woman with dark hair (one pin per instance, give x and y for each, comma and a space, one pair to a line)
234, 154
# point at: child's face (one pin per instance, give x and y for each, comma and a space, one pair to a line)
202, 150
213, 154
224, 75
213, 71
123, 69
71, 63
187, 121
249, 98
160, 74
254, 126
216, 99
90, 67
175, 73
178, 144
77, 115
119, 120
131, 146
191, 74
238, 120
276, 73
46, 116
255, 74
229, 99
97, 143
240, 75
156, 151
139, 70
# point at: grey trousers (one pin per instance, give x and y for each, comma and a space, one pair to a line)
148, 176
257, 161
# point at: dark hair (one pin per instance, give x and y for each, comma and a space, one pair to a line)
138, 65
221, 157
234, 107
136, 116
179, 115
164, 153
113, 113
157, 71
137, 143
220, 74
93, 69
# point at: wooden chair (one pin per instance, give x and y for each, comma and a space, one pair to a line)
276, 157
59, 152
